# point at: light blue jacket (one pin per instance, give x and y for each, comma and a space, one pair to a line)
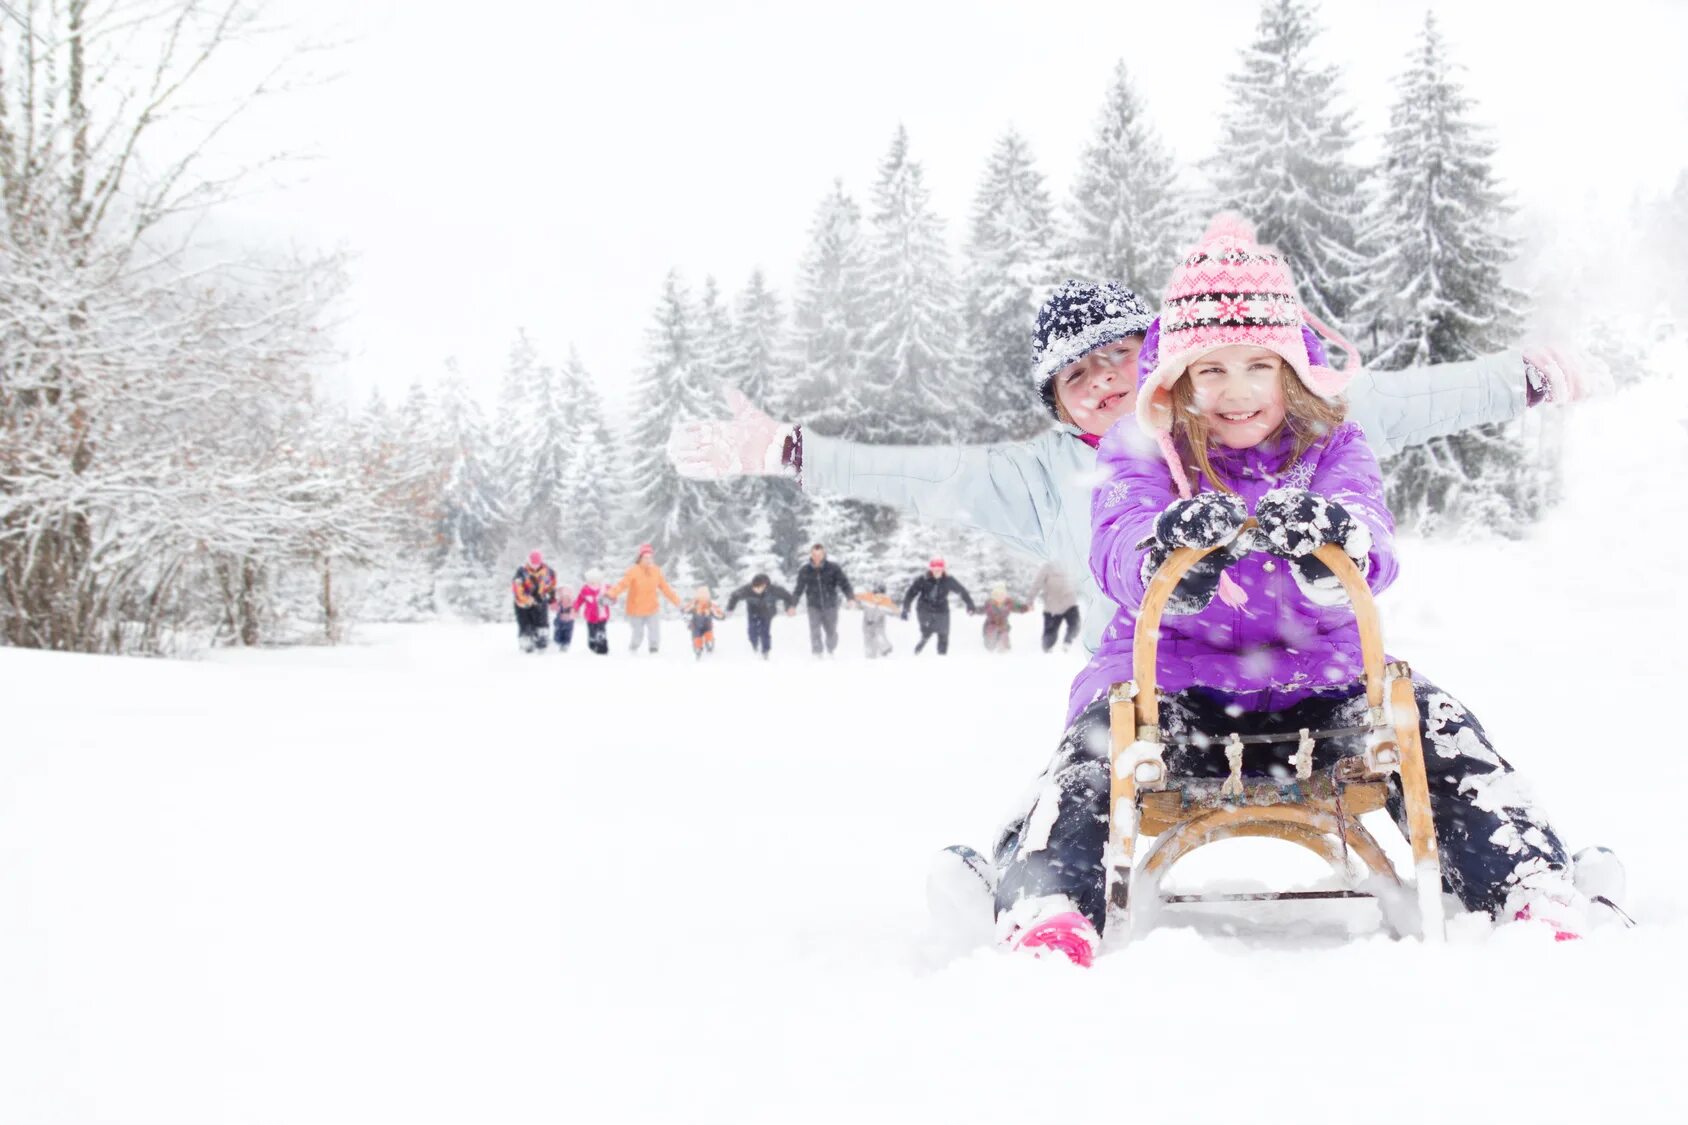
1035, 495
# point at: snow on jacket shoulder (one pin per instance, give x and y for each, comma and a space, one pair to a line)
1279, 640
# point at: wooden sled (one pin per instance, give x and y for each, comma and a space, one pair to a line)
1316, 809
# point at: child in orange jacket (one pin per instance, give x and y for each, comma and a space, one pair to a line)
703, 614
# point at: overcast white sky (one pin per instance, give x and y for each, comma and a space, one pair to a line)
500, 163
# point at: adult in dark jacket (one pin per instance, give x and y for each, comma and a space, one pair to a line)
761, 600
821, 582
930, 596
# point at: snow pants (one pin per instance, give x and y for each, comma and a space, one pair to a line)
1052, 625
598, 637
933, 625
996, 639
532, 623
823, 621
650, 623
761, 633
563, 632
1493, 840
874, 641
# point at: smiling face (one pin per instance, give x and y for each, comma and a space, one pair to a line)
1239, 393
1101, 388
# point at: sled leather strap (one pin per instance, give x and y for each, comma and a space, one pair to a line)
1233, 786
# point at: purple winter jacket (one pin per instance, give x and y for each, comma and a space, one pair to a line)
1281, 645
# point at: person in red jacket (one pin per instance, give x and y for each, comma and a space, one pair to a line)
593, 604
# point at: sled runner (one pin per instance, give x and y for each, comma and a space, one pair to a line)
1318, 809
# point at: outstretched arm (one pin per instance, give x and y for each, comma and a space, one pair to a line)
1397, 409
1008, 490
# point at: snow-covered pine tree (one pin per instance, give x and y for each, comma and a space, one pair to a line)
1435, 291
759, 364
756, 554
827, 391
684, 519
1009, 273
1127, 220
1283, 159
756, 351
510, 459
593, 490
916, 351
718, 510
539, 447
471, 509
829, 323
472, 526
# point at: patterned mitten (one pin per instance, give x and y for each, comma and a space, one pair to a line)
1206, 520
1295, 522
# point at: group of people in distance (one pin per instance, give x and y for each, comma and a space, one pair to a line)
546, 612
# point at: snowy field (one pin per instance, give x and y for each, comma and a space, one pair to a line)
423, 878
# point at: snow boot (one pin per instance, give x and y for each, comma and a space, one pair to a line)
961, 897
1056, 928
1568, 919
1598, 873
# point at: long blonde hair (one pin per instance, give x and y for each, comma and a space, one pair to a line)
1307, 416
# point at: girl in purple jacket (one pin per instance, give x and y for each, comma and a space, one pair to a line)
1239, 415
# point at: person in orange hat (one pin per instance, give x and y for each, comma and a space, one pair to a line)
642, 583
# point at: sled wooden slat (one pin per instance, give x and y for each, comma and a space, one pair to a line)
1165, 807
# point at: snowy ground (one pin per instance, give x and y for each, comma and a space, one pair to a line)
426, 879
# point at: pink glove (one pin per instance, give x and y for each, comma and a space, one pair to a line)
1559, 374
751, 443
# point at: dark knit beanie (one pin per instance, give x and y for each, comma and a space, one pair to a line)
1078, 318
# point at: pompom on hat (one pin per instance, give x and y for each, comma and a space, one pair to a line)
1231, 290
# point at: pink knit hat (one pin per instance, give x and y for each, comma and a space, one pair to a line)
1232, 290
536, 559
